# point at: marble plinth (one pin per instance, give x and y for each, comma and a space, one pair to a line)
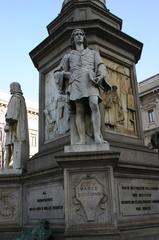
10, 171
87, 148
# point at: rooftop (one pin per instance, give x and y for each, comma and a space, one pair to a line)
148, 85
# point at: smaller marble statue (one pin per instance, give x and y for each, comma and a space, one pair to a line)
16, 129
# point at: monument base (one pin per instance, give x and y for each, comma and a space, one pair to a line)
11, 171
87, 148
92, 235
90, 210
90, 195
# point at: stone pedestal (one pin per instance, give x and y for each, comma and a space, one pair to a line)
11, 171
11, 202
90, 210
87, 148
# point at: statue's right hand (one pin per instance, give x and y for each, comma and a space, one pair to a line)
67, 75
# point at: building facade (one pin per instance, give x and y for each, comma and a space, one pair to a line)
32, 108
149, 101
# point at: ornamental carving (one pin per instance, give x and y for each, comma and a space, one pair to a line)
89, 198
119, 104
7, 205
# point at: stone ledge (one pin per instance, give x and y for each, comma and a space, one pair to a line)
87, 159
87, 148
10, 172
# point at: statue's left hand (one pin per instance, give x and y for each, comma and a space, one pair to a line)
67, 75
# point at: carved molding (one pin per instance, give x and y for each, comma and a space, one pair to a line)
89, 198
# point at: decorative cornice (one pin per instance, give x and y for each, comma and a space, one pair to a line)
107, 32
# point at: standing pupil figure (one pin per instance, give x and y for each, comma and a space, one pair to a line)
17, 137
85, 71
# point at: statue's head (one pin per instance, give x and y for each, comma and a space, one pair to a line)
73, 46
15, 88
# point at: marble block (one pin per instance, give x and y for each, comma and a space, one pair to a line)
87, 148
10, 171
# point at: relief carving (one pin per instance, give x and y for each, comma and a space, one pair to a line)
56, 111
131, 111
7, 205
114, 111
57, 114
119, 104
89, 198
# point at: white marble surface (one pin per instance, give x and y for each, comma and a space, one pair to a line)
10, 171
87, 148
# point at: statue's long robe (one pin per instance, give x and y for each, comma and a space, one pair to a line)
18, 135
17, 112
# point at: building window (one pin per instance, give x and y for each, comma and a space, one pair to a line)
33, 140
151, 116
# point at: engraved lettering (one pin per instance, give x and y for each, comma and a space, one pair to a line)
138, 200
46, 201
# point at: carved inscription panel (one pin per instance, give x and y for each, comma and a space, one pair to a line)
45, 202
10, 205
138, 197
89, 198
90, 193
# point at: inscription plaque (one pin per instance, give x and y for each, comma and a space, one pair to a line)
45, 202
139, 197
89, 197
89, 192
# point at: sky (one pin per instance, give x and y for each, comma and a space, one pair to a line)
23, 27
